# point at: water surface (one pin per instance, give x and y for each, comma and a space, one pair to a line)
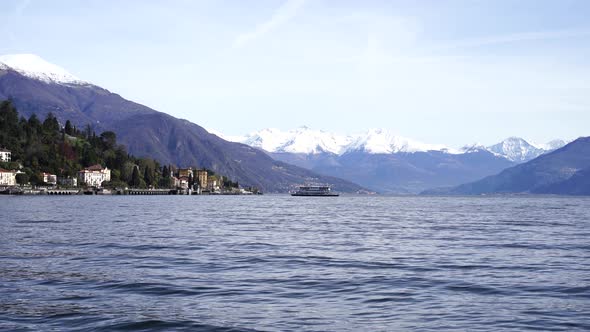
279, 263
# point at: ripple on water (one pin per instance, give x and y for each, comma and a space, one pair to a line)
274, 263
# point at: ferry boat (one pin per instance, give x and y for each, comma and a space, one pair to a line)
324, 191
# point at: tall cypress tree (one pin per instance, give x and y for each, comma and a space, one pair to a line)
68, 128
135, 179
148, 176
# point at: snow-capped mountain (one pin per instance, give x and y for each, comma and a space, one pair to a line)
300, 140
35, 67
308, 141
473, 148
376, 141
385, 162
552, 145
518, 150
304, 140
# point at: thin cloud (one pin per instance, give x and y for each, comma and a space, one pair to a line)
281, 16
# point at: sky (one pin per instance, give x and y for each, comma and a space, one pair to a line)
447, 72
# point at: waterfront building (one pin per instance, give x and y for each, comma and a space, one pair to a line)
49, 178
201, 178
94, 176
68, 182
213, 184
185, 172
175, 183
5, 155
7, 178
183, 182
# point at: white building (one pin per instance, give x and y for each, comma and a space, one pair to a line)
183, 182
49, 178
94, 176
5, 155
7, 178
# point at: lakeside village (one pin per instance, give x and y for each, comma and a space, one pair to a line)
45, 158
95, 180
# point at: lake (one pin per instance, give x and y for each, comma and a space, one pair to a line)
281, 263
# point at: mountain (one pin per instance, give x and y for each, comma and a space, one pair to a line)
300, 140
563, 171
380, 160
517, 149
38, 87
578, 184
382, 141
304, 140
35, 67
309, 141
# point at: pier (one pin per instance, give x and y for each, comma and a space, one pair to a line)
62, 192
150, 192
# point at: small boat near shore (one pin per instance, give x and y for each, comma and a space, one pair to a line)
315, 191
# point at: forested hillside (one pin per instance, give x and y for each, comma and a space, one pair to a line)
44, 146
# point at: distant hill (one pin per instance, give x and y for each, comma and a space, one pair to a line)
145, 132
403, 172
388, 163
578, 184
563, 171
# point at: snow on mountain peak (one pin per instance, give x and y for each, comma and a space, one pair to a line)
552, 145
310, 141
35, 67
380, 141
300, 140
384, 141
516, 149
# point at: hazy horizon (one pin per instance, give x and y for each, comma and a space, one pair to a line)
444, 72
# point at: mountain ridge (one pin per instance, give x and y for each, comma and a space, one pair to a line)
304, 140
147, 132
562, 171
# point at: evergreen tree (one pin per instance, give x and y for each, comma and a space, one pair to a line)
135, 179
109, 139
50, 125
148, 176
22, 178
68, 129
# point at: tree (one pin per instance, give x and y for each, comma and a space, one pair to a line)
148, 176
69, 130
36, 179
135, 179
191, 181
88, 132
109, 139
22, 178
50, 125
35, 124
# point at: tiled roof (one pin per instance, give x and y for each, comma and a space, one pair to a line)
96, 167
2, 170
4, 150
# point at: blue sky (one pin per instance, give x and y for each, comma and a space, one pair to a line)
451, 72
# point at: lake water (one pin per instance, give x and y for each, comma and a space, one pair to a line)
280, 263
